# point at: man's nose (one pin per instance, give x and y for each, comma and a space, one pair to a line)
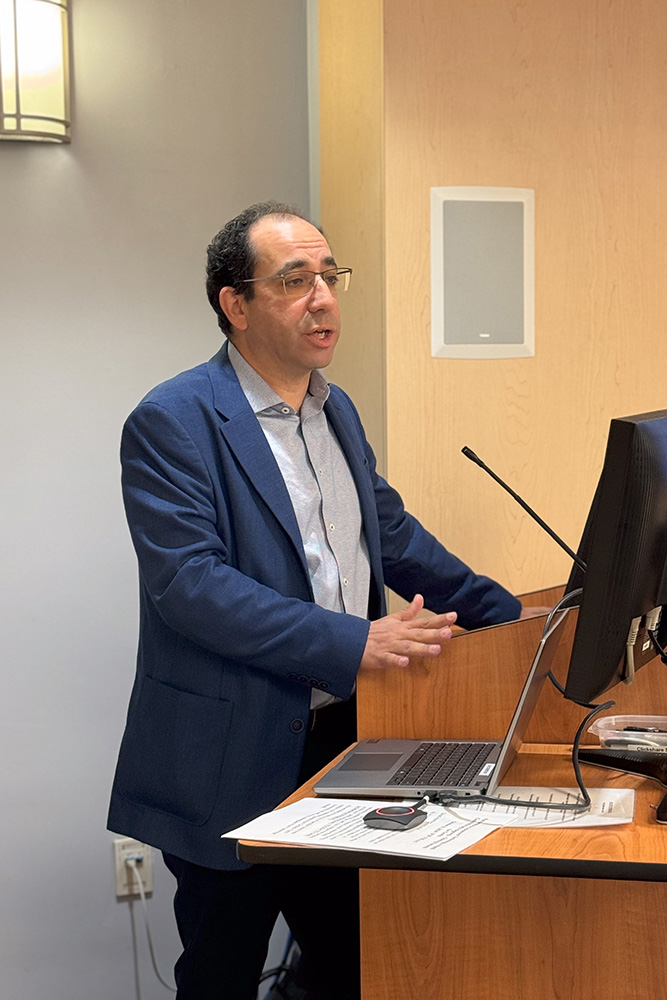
321, 294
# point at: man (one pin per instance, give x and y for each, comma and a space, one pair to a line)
265, 538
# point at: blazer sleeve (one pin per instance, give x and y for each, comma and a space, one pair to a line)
177, 518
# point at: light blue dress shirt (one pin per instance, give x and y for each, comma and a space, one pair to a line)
322, 491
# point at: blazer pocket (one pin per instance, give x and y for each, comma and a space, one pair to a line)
173, 749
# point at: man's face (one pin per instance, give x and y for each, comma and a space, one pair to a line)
285, 338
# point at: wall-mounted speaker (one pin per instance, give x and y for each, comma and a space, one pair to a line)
482, 272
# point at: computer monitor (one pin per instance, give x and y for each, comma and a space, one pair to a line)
624, 546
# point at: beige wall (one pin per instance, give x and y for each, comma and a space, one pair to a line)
566, 98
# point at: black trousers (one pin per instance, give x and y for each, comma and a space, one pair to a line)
225, 918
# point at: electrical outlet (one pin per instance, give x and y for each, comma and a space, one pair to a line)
126, 882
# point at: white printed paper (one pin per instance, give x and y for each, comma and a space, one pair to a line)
339, 823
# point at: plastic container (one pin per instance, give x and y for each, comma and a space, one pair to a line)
632, 732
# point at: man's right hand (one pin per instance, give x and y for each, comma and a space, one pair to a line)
393, 640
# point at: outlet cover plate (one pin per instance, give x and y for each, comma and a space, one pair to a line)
126, 883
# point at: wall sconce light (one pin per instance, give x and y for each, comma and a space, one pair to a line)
34, 70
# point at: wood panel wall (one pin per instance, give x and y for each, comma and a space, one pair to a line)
352, 197
566, 98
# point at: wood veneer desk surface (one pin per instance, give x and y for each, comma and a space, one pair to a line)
636, 851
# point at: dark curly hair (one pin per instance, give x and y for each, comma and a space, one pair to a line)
231, 256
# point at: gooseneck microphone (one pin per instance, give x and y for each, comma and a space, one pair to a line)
469, 453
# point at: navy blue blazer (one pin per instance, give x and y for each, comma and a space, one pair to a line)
230, 641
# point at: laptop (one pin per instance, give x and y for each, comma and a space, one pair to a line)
405, 768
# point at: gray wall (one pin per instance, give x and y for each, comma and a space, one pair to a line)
184, 113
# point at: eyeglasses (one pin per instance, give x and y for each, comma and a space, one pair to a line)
300, 283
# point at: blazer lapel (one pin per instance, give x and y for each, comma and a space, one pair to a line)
361, 474
246, 440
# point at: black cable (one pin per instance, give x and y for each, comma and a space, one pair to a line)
595, 710
284, 967
561, 606
462, 800
577, 807
556, 683
274, 972
653, 636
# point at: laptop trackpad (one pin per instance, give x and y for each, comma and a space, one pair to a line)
370, 761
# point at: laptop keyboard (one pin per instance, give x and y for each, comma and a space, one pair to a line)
442, 764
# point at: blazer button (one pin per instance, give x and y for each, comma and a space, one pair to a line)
296, 725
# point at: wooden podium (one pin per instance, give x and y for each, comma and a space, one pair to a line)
477, 936
524, 914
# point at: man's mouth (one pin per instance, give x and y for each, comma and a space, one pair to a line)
321, 333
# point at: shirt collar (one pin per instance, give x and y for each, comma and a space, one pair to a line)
259, 393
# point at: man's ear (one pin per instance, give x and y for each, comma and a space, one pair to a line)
233, 306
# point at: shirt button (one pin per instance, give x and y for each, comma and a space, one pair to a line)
285, 409
345, 583
332, 527
320, 472
296, 725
